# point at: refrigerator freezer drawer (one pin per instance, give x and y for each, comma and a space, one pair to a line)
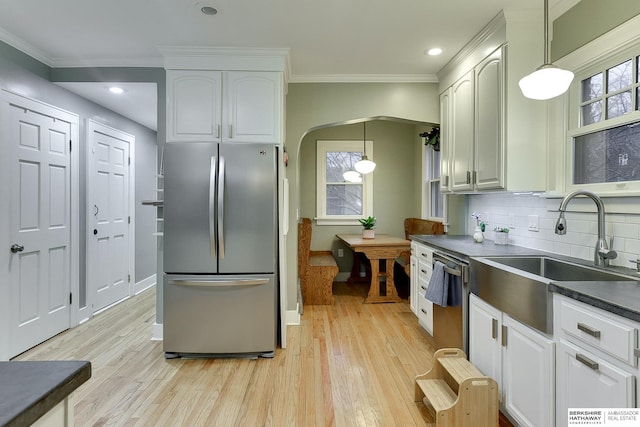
219, 315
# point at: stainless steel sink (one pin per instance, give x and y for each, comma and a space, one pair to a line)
558, 270
519, 286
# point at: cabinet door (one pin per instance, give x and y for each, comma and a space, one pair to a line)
194, 105
528, 374
425, 307
586, 381
489, 123
445, 141
253, 106
461, 137
485, 351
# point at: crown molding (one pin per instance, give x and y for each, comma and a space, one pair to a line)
221, 58
148, 62
364, 78
25, 47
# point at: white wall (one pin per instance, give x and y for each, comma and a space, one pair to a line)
622, 221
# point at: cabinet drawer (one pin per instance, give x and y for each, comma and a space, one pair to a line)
598, 328
424, 254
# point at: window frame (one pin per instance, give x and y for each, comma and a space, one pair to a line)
324, 146
576, 129
428, 179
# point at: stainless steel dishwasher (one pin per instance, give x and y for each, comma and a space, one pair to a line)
451, 323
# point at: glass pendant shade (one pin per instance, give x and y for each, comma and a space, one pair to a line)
352, 176
546, 82
365, 166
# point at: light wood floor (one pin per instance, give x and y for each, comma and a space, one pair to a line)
349, 364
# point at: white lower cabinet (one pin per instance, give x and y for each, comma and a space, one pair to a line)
596, 366
421, 269
519, 358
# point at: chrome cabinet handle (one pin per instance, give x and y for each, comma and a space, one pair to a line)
586, 361
588, 330
494, 328
504, 336
468, 177
423, 310
15, 248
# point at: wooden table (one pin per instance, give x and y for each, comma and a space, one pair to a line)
382, 248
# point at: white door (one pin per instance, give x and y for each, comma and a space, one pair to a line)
40, 229
108, 260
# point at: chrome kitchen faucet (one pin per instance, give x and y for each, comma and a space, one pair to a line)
602, 253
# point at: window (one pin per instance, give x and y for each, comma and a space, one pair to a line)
433, 196
605, 142
340, 202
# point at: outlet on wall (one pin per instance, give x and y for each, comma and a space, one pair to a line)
340, 253
533, 223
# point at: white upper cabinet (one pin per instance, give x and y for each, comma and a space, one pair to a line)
461, 150
484, 147
194, 105
224, 106
251, 108
489, 123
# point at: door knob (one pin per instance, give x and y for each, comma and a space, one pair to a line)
15, 248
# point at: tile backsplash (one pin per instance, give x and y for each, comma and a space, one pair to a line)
518, 211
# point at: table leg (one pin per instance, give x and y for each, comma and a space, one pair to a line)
374, 288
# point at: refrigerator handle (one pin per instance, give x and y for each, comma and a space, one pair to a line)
219, 283
212, 213
221, 179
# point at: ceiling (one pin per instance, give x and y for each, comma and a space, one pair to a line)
331, 40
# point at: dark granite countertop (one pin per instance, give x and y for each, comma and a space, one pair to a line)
30, 389
621, 298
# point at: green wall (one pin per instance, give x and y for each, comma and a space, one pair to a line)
587, 21
313, 106
394, 192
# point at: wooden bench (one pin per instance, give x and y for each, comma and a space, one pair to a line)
456, 393
316, 269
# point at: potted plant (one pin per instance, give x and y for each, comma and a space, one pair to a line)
432, 138
367, 227
501, 235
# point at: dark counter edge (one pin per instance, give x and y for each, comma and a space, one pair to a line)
52, 397
461, 245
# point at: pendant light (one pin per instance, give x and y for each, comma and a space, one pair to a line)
352, 176
548, 81
364, 166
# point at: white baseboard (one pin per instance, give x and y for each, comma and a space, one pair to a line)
157, 332
292, 317
144, 284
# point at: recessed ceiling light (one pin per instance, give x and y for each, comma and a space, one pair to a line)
208, 10
115, 89
434, 52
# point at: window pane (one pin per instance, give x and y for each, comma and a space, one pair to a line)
436, 200
638, 98
338, 162
592, 87
619, 77
611, 155
344, 199
435, 165
619, 104
592, 113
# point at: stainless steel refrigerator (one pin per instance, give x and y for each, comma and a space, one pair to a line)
220, 249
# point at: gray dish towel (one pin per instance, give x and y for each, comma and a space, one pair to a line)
444, 289
438, 288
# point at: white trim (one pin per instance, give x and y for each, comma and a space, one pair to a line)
18, 43
157, 332
144, 284
364, 78
91, 127
324, 146
293, 317
225, 59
